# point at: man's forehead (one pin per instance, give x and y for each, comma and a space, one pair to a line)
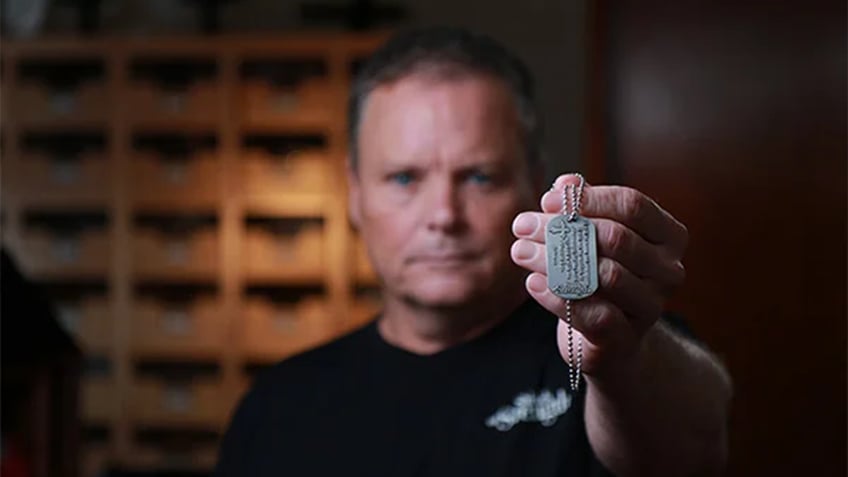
427, 86
469, 116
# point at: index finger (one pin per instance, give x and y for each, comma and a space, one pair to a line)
627, 206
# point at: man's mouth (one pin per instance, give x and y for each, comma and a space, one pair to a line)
444, 259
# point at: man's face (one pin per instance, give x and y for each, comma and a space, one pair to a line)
441, 175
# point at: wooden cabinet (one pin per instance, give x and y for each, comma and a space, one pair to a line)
66, 246
189, 458
363, 271
158, 402
99, 400
365, 307
96, 460
276, 329
174, 90
171, 170
176, 247
58, 89
57, 179
37, 104
284, 250
296, 93
188, 326
89, 319
180, 174
279, 172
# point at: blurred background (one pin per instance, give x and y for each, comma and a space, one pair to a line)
173, 214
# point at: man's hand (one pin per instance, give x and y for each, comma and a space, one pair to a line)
640, 247
656, 404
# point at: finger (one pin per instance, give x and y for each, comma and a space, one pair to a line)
552, 200
598, 320
609, 343
627, 206
635, 297
530, 225
643, 259
530, 255
638, 212
614, 240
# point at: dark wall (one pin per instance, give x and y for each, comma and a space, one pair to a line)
733, 116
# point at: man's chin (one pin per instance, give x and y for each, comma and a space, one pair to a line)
444, 293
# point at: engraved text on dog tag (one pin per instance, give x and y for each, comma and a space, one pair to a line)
572, 257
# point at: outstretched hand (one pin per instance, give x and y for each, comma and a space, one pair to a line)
640, 247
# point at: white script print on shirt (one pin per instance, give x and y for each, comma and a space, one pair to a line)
544, 408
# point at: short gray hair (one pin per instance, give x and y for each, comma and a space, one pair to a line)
447, 52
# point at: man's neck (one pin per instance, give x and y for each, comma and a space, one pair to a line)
425, 330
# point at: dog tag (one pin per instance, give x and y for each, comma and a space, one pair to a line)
572, 256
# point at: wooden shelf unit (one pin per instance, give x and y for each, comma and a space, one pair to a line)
181, 175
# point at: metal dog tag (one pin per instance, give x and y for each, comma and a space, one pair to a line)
572, 264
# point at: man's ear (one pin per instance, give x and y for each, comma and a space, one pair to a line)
354, 210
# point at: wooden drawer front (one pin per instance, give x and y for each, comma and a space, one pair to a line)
305, 172
89, 320
363, 310
95, 460
48, 252
363, 270
273, 330
37, 103
162, 254
292, 254
98, 400
200, 458
169, 328
158, 402
199, 102
45, 179
193, 179
313, 101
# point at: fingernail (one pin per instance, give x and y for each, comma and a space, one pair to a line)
525, 224
566, 179
523, 250
536, 283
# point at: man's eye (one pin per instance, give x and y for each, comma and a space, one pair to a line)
401, 178
480, 178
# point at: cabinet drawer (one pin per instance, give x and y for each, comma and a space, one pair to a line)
176, 180
35, 103
167, 253
199, 458
298, 172
312, 102
44, 179
363, 270
364, 309
49, 252
284, 250
185, 328
198, 103
273, 330
95, 460
98, 400
169, 403
89, 320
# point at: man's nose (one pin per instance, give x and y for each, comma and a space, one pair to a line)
445, 207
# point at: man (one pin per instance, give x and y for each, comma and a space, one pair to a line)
465, 370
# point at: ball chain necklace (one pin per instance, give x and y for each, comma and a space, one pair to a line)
572, 266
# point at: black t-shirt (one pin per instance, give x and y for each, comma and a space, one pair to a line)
498, 405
